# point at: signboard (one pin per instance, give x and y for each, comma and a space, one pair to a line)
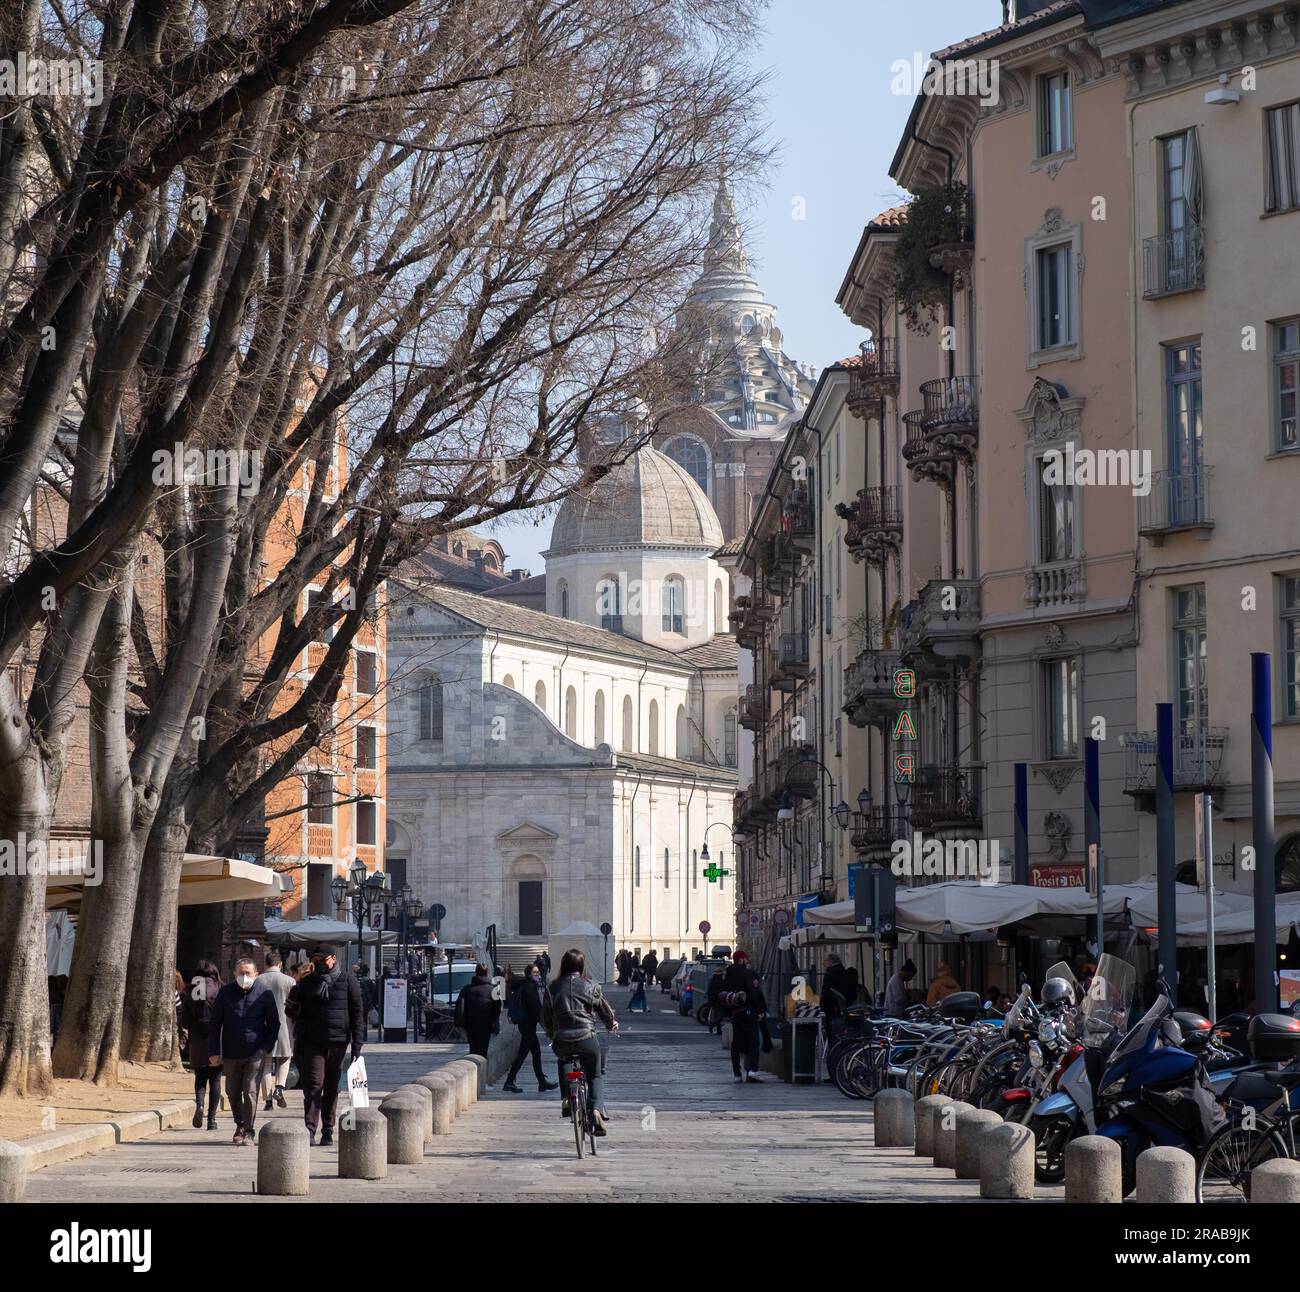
1058, 877
781, 918
395, 1003
804, 904
874, 906
853, 879
705, 926
1288, 984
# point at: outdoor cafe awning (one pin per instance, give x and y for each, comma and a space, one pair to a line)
203, 880
320, 929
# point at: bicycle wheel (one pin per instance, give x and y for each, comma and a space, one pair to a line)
578, 1108
591, 1129
1224, 1166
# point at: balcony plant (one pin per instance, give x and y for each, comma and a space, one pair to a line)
933, 246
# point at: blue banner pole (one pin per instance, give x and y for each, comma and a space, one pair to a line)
1166, 891
1020, 870
1261, 808
1092, 822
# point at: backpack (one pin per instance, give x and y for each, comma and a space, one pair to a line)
516, 1011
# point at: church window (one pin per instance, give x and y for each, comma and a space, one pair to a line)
636, 866
683, 734
719, 610
563, 598
571, 713
695, 868
665, 867
654, 726
629, 732
691, 453
509, 681
431, 710
539, 696
598, 725
674, 595
729, 738
609, 604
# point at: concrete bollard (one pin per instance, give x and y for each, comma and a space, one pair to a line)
1166, 1175
406, 1118
945, 1132
893, 1116
927, 1112
363, 1144
1007, 1162
466, 1075
971, 1128
283, 1159
1276, 1181
13, 1172
425, 1097
481, 1081
1093, 1170
443, 1090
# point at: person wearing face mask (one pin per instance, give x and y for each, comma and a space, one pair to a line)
244, 1025
526, 1013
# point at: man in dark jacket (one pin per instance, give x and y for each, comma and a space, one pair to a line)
649, 966
526, 1014
241, 1030
746, 1032
477, 1011
328, 1010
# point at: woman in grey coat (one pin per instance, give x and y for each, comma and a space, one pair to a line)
277, 1067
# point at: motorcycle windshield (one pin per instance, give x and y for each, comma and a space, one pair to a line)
1108, 1001
1137, 1037
1018, 1010
1063, 970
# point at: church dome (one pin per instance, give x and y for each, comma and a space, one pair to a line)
646, 501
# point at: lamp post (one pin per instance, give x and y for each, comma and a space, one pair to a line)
364, 891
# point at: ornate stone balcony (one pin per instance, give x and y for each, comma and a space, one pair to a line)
945, 802
925, 459
950, 414
942, 624
1061, 583
872, 833
879, 523
751, 709
875, 378
798, 522
792, 654
869, 697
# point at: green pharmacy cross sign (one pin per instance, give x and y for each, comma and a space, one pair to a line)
712, 872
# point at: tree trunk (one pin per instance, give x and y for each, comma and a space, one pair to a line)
149, 1015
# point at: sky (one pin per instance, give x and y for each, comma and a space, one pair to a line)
833, 112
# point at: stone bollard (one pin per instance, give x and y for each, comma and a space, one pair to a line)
927, 1112
443, 1090
13, 1172
363, 1144
425, 1097
406, 1118
971, 1129
481, 1081
945, 1132
1166, 1175
1007, 1162
1276, 1181
466, 1075
894, 1118
283, 1159
1093, 1170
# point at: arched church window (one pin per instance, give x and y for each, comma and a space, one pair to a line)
719, 608
431, 709
692, 454
665, 867
598, 723
539, 696
571, 713
636, 866
629, 727
609, 604
674, 596
509, 681
654, 727
563, 598
729, 738
683, 734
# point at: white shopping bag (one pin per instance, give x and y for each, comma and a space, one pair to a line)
358, 1085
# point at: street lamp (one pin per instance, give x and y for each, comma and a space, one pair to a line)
737, 836
840, 811
864, 801
365, 891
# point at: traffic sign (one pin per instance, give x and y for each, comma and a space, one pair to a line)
705, 926
781, 918
607, 928
437, 912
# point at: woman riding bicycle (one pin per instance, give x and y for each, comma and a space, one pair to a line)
570, 1007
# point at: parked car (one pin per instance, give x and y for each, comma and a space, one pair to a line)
697, 975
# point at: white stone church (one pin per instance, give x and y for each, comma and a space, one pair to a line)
571, 765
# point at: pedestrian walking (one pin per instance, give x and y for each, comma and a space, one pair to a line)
737, 976
243, 1028
326, 1007
277, 1068
525, 1012
638, 1000
650, 966
748, 1008
196, 1016
478, 1011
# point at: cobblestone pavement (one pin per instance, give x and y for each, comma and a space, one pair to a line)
680, 1129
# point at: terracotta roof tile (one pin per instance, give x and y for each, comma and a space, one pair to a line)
893, 218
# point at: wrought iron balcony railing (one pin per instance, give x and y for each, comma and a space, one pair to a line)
1198, 760
1174, 262
1178, 500
875, 377
946, 798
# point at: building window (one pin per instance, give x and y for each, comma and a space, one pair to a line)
367, 673
431, 711
367, 748
509, 680
683, 734
1183, 402
629, 726
325, 630
695, 868
1286, 383
320, 799
1191, 659
539, 696
598, 720
674, 595
1055, 132
609, 604
1055, 519
366, 822
1055, 304
1061, 695
563, 597
571, 713
636, 866
1290, 600
654, 727
690, 453
665, 867
729, 738
720, 624
1282, 133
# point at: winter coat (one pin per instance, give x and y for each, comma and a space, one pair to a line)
243, 1023
530, 998
280, 985
477, 1009
196, 1012
941, 985
327, 1010
570, 1007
